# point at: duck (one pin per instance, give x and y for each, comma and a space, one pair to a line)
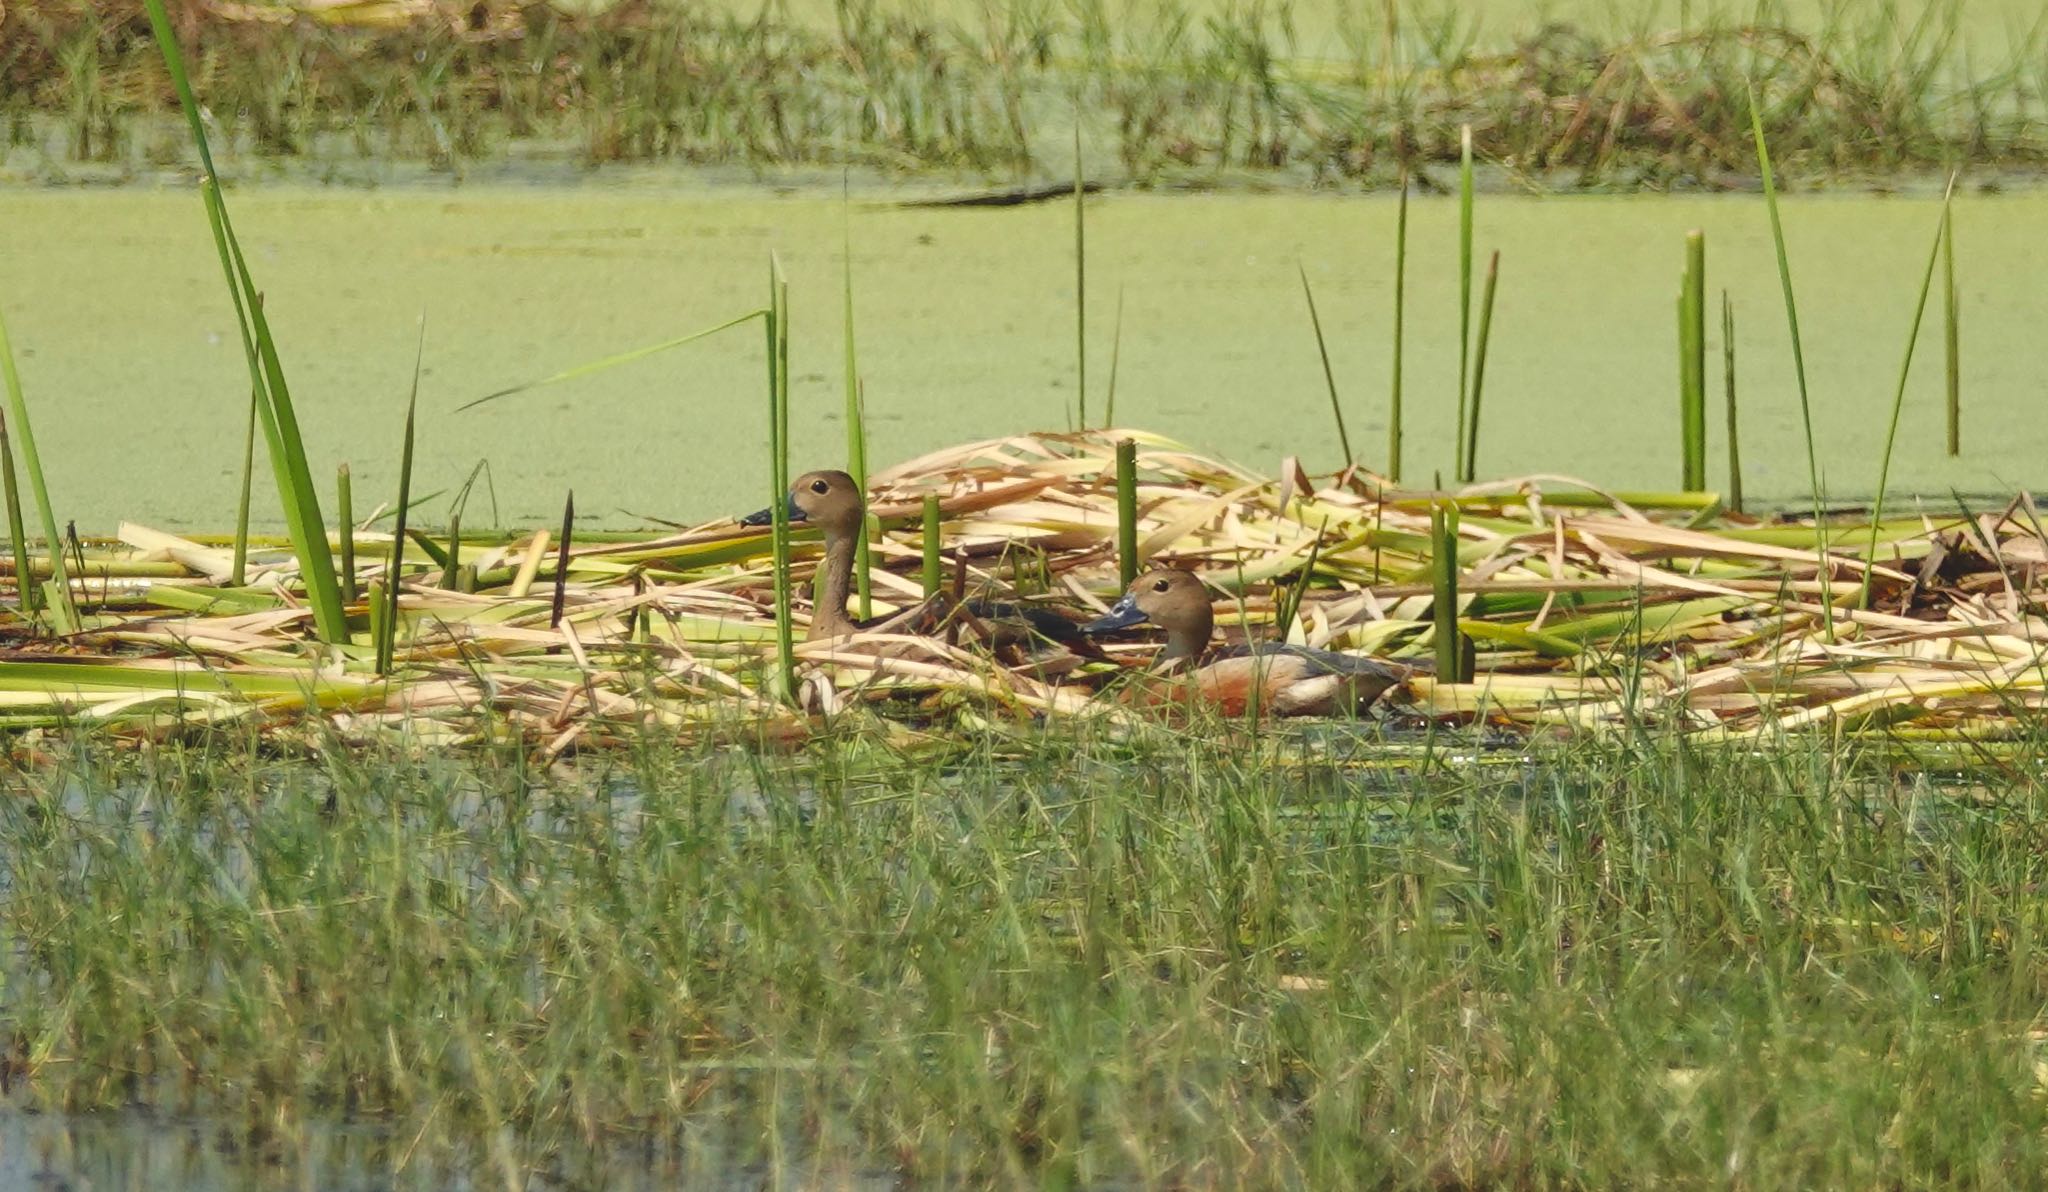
1284, 680
832, 501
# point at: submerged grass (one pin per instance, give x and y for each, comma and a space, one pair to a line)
1191, 960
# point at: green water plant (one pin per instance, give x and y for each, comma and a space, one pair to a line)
58, 590
1464, 295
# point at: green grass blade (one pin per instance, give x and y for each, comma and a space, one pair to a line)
1126, 512
1728, 382
1400, 313
559, 599
1323, 350
345, 521
1884, 467
777, 344
239, 567
1116, 355
856, 404
1820, 528
1080, 282
1471, 449
394, 583
1952, 343
25, 592
610, 362
17, 409
1443, 557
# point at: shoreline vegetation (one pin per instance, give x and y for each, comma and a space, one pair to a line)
1175, 97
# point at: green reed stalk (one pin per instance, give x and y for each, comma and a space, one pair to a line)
1443, 558
777, 331
930, 544
1287, 611
1126, 511
1820, 526
26, 594
1952, 331
287, 450
559, 600
1884, 466
1315, 322
856, 407
1728, 381
61, 606
452, 566
344, 497
1692, 364
1400, 312
1080, 283
1116, 355
386, 632
1470, 453
238, 569
1464, 289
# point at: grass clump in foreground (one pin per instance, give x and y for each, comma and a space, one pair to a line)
1176, 959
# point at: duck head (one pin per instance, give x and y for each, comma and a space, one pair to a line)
1170, 598
829, 500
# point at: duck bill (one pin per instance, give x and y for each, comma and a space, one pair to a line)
766, 517
1124, 614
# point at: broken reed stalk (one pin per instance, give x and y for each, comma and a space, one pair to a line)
1470, 453
1884, 466
61, 606
1080, 284
856, 404
1126, 512
1692, 365
930, 543
1443, 559
385, 636
345, 517
560, 598
1315, 322
777, 332
1951, 330
451, 567
1400, 310
26, 594
1728, 383
1820, 525
1464, 290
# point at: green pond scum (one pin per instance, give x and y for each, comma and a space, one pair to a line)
1322, 960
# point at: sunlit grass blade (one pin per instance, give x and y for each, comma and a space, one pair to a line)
1728, 383
1116, 356
25, 592
1464, 292
241, 557
1315, 323
1952, 343
856, 405
609, 362
1470, 454
301, 502
1126, 512
1820, 526
17, 408
345, 522
1400, 312
1692, 364
777, 345
1884, 467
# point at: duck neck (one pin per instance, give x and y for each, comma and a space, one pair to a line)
1186, 643
835, 578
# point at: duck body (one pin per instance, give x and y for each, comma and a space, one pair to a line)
1276, 679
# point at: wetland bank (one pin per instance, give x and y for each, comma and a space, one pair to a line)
498, 863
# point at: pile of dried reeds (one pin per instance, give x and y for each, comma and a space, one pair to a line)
1586, 610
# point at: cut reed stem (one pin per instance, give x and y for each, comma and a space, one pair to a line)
345, 517
1443, 555
1464, 292
1116, 355
930, 543
1315, 322
1126, 512
1400, 312
1692, 364
1470, 453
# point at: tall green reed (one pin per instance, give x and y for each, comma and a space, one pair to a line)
1080, 283
1728, 384
385, 629
1315, 322
345, 525
58, 591
1820, 525
1692, 364
1116, 356
1464, 293
776, 330
1126, 512
1952, 343
1400, 311
1469, 450
301, 500
856, 408
1443, 574
25, 592
1884, 466
238, 567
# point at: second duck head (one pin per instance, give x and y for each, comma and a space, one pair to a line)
1170, 598
829, 500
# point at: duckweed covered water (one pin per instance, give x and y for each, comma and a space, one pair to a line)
966, 330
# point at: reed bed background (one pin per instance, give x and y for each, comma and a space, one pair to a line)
1167, 92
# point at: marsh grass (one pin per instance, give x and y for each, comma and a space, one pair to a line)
992, 90
1195, 959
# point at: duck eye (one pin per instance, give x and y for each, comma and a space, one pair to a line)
820, 487
1160, 585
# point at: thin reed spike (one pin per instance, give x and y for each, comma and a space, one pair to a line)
1400, 313
1464, 289
1728, 381
1692, 364
238, 568
856, 403
1116, 355
1126, 511
387, 638
778, 449
65, 612
1471, 451
1952, 343
26, 594
345, 517
1080, 284
1329, 378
